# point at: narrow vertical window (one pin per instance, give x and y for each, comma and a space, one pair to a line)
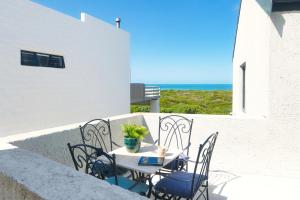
243, 68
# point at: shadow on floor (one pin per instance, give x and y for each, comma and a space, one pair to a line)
218, 180
214, 196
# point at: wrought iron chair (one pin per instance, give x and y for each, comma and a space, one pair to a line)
97, 133
181, 184
175, 130
94, 161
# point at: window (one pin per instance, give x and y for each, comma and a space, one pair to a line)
243, 68
35, 59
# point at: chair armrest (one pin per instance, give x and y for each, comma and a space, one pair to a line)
116, 144
163, 172
192, 161
188, 146
184, 160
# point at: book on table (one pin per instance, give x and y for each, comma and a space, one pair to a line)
151, 161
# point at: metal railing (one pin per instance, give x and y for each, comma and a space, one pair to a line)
152, 92
140, 93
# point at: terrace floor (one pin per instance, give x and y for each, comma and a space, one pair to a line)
227, 186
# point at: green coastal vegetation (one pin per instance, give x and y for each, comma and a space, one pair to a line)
192, 102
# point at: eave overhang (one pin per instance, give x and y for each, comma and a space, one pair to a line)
285, 5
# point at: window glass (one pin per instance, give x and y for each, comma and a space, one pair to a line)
36, 59
28, 58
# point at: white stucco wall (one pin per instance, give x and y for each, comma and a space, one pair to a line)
285, 86
94, 84
252, 47
52, 143
284, 64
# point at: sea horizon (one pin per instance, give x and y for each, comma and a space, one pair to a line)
193, 86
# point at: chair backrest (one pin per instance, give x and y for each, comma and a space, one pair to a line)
93, 161
97, 133
202, 164
175, 130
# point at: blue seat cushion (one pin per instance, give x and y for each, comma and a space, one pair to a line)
101, 168
126, 183
105, 169
180, 184
121, 171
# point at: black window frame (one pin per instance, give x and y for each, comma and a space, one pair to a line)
243, 68
36, 60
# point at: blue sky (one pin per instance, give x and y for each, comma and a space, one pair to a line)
172, 41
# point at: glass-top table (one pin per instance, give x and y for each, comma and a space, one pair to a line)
130, 160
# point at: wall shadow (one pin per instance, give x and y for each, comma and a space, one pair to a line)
279, 22
148, 138
276, 17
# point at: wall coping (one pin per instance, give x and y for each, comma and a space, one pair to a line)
32, 134
47, 179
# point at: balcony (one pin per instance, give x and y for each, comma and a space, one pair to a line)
139, 93
244, 165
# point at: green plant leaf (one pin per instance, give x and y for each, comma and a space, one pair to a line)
134, 131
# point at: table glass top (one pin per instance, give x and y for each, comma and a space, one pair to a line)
130, 160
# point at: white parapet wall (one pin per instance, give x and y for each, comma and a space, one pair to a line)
26, 175
52, 143
93, 84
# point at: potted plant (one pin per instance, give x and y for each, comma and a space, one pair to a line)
133, 135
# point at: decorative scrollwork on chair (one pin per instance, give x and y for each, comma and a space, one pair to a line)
97, 133
175, 131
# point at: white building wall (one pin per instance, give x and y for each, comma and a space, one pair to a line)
252, 47
94, 84
285, 70
285, 86
269, 42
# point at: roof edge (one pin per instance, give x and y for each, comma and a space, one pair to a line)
280, 6
236, 29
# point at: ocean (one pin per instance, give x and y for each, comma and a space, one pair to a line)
193, 86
